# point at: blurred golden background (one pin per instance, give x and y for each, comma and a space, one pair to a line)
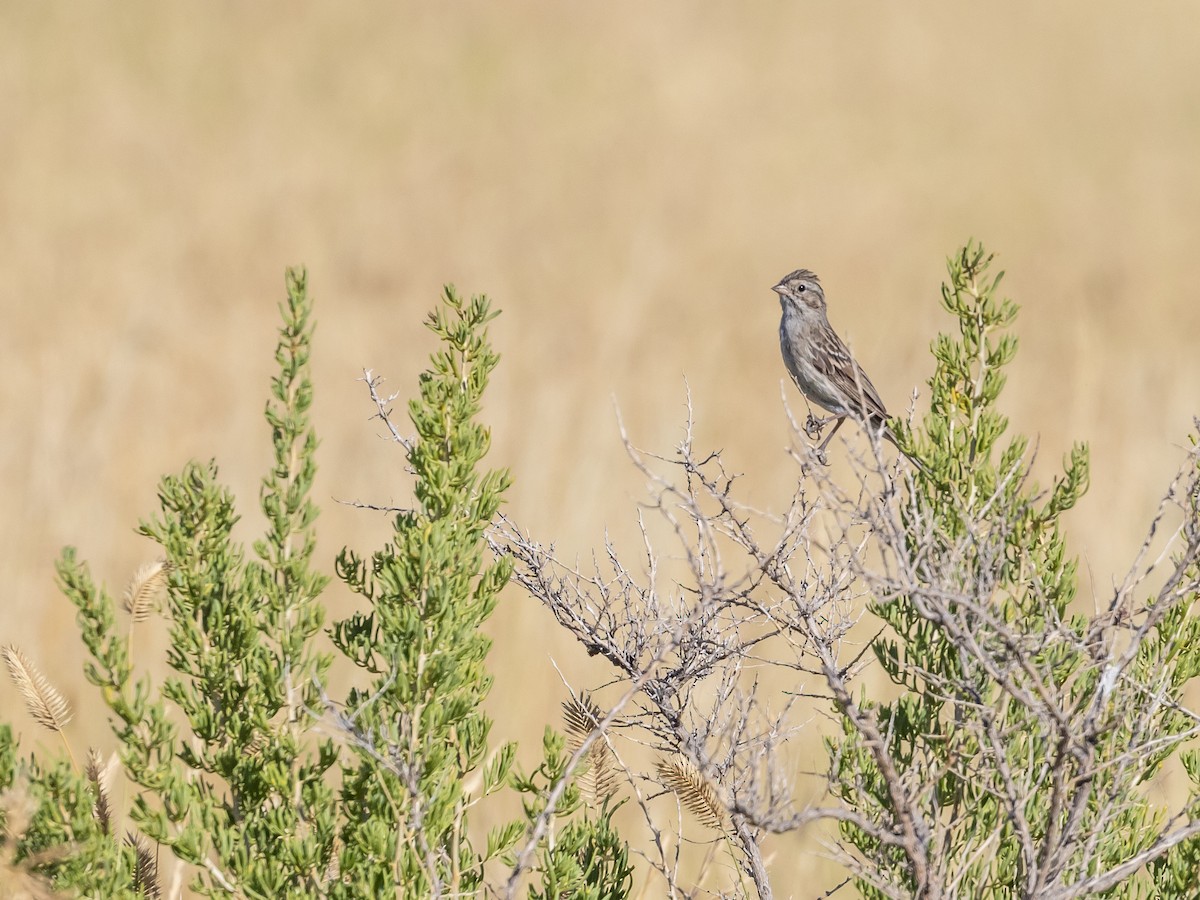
626, 181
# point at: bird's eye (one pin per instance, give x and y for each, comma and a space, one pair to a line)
801, 288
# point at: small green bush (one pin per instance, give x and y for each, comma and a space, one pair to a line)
242, 764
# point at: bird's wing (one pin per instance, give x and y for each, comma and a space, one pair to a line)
847, 375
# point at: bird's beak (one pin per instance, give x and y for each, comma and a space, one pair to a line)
778, 288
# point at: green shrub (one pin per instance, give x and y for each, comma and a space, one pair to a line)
243, 765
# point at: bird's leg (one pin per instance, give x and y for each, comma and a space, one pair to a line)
829, 437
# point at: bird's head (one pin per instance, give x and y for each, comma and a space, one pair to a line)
801, 291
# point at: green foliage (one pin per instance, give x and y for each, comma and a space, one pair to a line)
1177, 873
586, 858
1016, 557
1000, 680
239, 788
58, 831
429, 592
231, 755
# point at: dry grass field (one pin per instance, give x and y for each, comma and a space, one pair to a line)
626, 181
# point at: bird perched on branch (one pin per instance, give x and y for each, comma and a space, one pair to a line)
819, 362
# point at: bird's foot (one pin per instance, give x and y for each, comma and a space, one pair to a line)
813, 426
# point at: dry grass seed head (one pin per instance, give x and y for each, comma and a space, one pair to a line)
43, 701
583, 716
102, 809
695, 794
145, 588
145, 873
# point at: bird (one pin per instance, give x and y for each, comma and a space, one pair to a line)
820, 363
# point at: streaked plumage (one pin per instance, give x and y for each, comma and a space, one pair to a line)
818, 360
